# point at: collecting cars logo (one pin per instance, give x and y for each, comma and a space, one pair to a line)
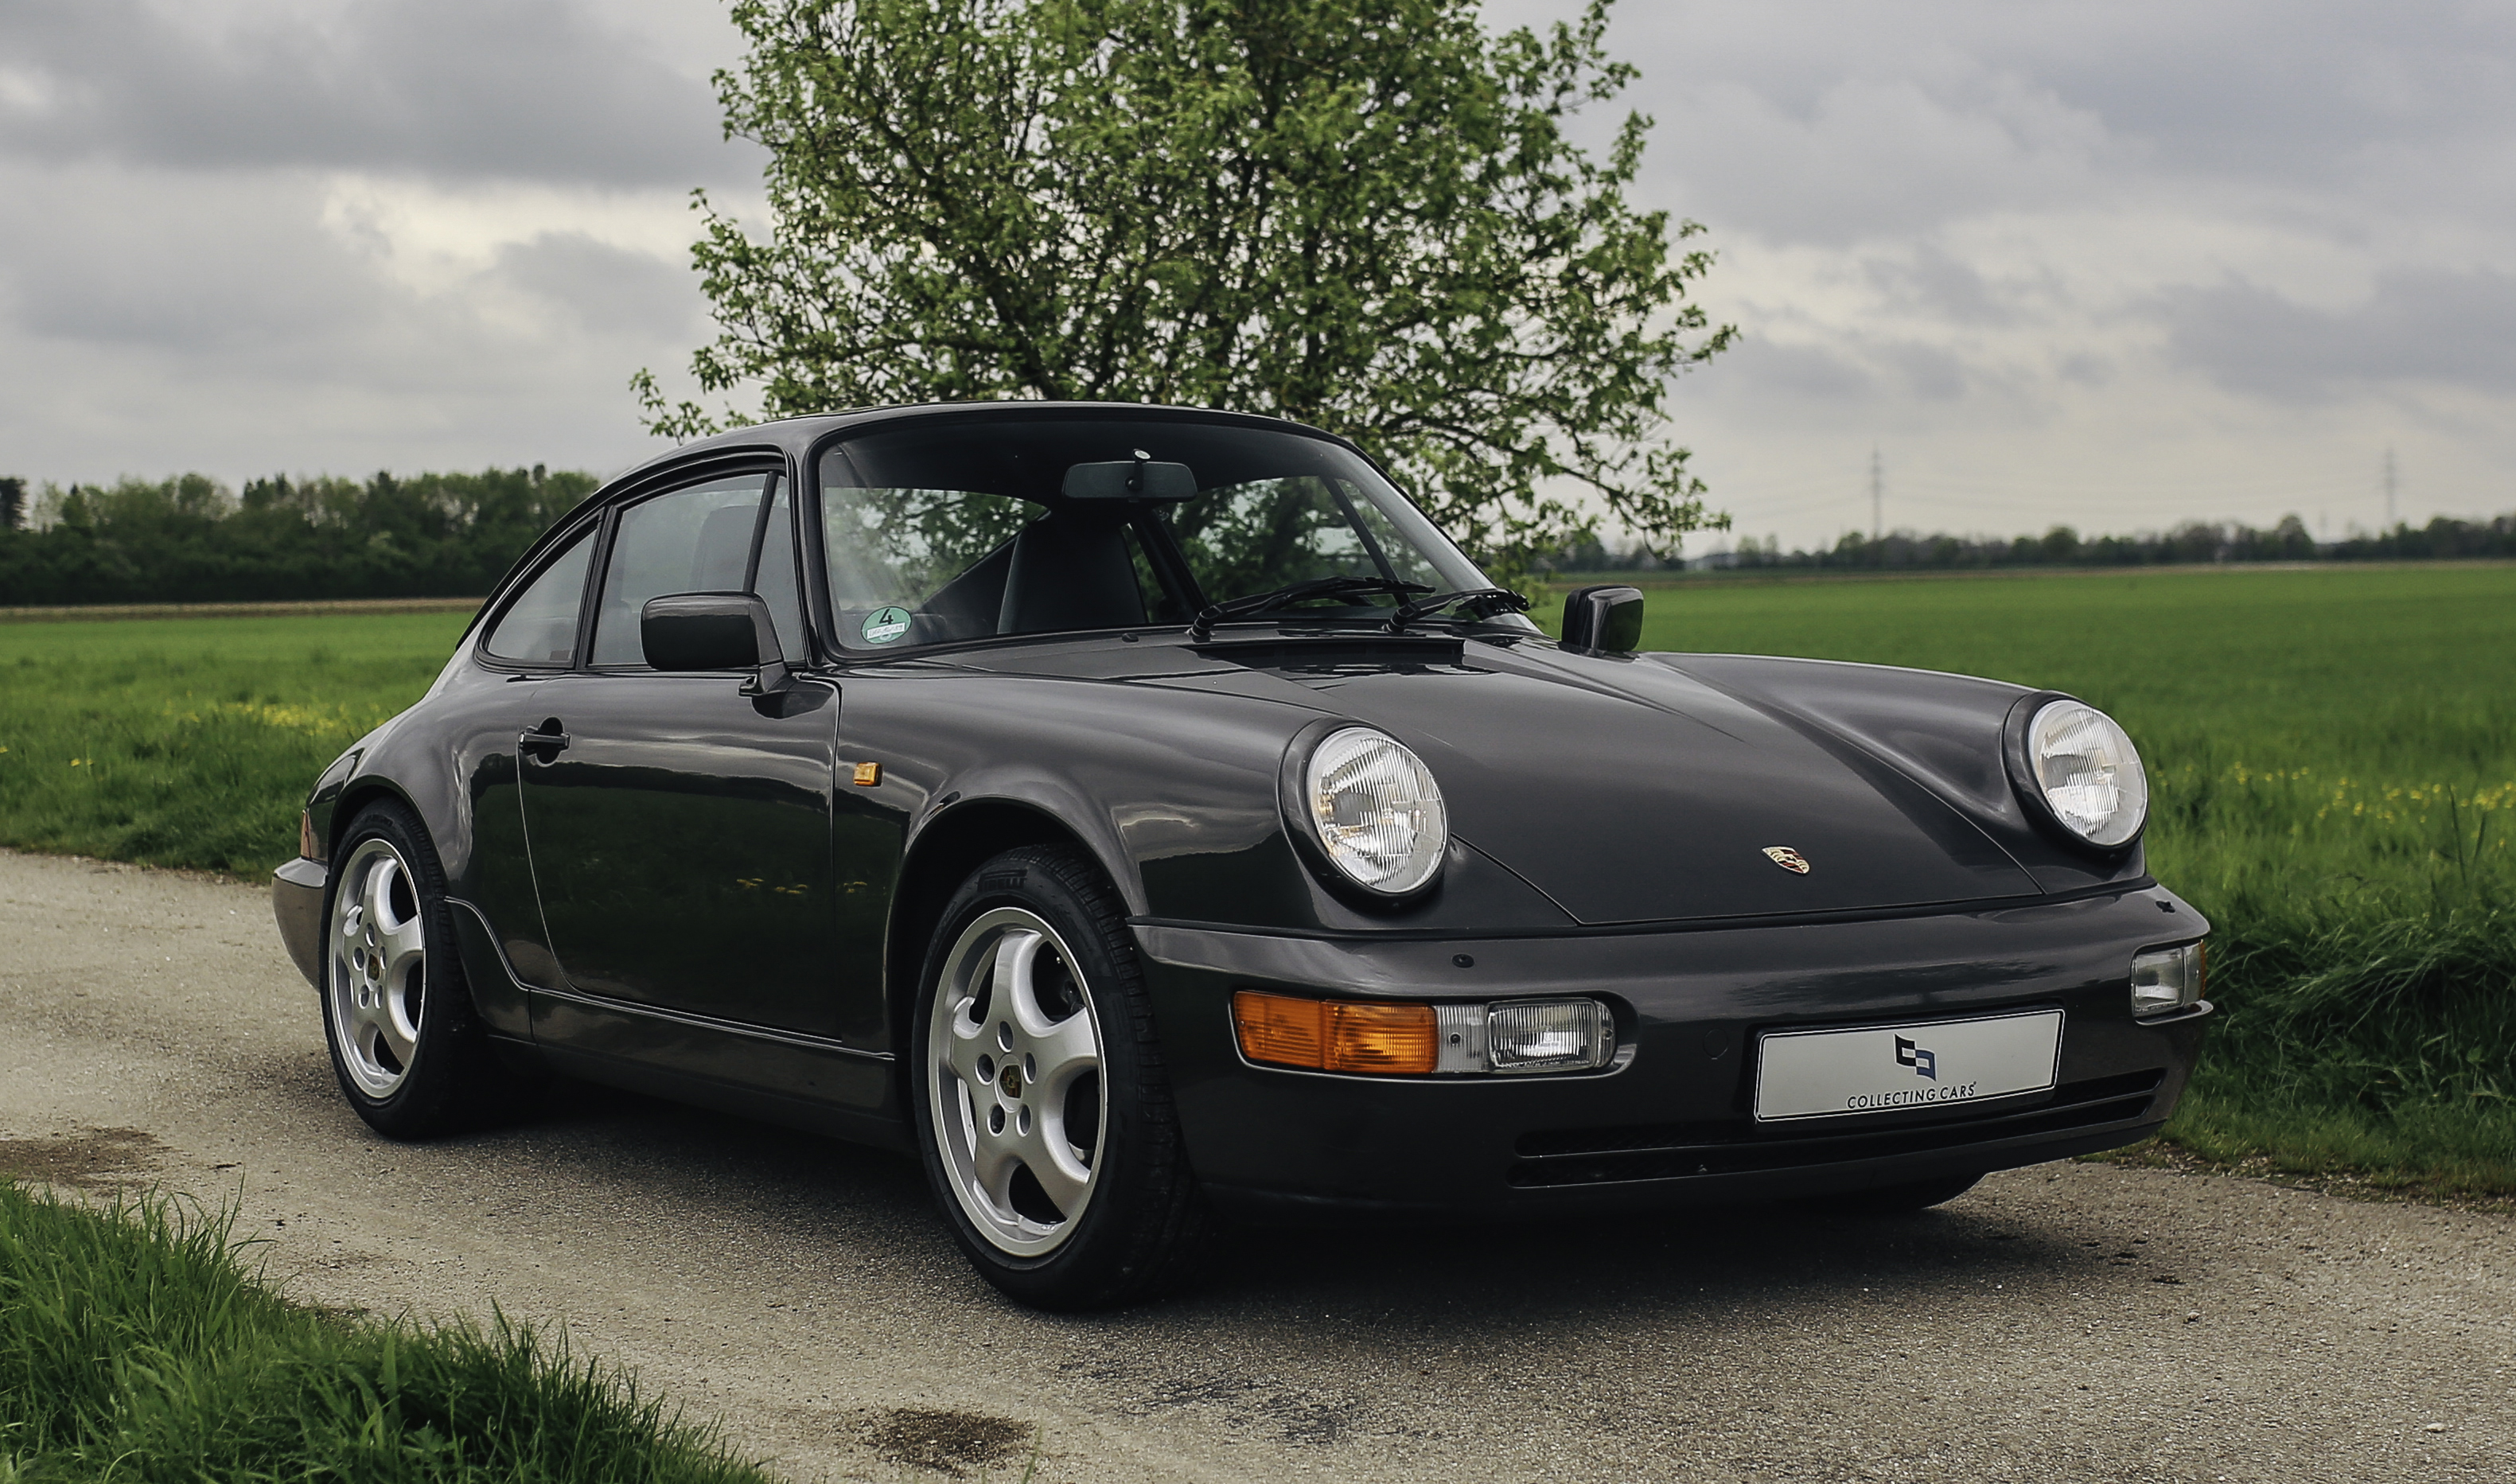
1787, 859
1926, 1065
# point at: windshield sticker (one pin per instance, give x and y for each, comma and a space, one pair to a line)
885, 624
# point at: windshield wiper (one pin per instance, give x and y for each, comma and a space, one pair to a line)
1283, 597
1475, 602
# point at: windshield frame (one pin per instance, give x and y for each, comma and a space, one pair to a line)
1163, 552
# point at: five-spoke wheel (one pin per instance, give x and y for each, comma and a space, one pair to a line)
408, 1046
1015, 1048
1043, 1111
376, 986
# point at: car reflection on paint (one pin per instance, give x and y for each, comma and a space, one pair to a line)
1150, 820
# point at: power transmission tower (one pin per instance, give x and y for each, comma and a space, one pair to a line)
2389, 489
1877, 496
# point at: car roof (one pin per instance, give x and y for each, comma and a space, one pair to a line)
797, 435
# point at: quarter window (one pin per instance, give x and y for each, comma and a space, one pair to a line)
540, 626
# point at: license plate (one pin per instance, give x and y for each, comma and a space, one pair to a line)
1921, 1065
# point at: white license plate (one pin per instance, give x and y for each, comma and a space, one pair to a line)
1920, 1065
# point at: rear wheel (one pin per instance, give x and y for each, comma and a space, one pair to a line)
1045, 1116
407, 1048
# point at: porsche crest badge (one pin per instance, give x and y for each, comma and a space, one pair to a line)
1787, 859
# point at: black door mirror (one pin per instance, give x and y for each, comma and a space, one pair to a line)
1603, 620
714, 631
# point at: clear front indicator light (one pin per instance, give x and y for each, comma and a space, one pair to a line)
2164, 980
1412, 1040
1550, 1035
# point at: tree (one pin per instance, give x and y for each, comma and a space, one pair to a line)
1360, 214
13, 503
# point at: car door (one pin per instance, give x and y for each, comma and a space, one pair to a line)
679, 826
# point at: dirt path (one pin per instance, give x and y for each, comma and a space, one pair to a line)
2079, 1322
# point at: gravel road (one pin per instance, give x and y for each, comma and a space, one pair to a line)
2069, 1321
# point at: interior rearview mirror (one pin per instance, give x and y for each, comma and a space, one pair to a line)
1603, 620
714, 631
1137, 479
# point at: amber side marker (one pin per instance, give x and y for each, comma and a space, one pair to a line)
868, 775
1335, 1035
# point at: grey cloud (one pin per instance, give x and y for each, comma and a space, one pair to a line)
1829, 121
605, 288
2457, 329
222, 331
509, 89
1933, 280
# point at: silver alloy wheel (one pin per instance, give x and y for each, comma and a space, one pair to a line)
1015, 1088
376, 979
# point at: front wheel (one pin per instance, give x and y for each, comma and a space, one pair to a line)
1045, 1116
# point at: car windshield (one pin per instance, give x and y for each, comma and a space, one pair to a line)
953, 528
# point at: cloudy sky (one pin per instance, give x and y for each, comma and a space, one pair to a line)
2116, 263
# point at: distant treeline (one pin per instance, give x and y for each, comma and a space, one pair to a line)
190, 539
2195, 541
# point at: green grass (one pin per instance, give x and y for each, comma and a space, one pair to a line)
192, 741
135, 1343
2332, 752
2333, 760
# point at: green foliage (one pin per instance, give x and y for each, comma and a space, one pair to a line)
192, 741
1363, 216
135, 1344
186, 539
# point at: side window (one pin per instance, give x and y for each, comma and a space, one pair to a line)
540, 626
776, 582
693, 540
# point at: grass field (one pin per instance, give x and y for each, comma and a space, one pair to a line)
2332, 752
191, 741
137, 1342
2333, 759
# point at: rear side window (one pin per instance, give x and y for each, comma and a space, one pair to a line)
693, 540
540, 626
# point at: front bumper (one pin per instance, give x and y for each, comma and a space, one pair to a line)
297, 902
1671, 1123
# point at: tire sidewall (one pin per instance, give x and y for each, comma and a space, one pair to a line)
1108, 1245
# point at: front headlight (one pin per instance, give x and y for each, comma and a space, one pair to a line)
1376, 810
2085, 771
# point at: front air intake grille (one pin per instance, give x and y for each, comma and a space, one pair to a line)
1678, 1151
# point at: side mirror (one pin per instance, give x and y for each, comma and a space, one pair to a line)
1603, 620
714, 631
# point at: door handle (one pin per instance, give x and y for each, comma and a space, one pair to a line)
534, 740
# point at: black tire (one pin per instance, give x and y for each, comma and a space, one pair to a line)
446, 1078
1143, 1223
1902, 1200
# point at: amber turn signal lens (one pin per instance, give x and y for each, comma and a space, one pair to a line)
1335, 1035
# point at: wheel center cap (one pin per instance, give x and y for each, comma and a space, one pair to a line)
1011, 1080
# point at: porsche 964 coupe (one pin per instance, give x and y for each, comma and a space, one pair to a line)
1148, 816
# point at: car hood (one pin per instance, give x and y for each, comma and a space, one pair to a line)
1627, 791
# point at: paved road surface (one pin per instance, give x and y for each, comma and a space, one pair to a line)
2073, 1321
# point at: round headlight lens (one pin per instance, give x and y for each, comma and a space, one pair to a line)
2090, 776
1377, 810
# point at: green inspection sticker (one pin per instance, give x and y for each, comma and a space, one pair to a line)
885, 624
